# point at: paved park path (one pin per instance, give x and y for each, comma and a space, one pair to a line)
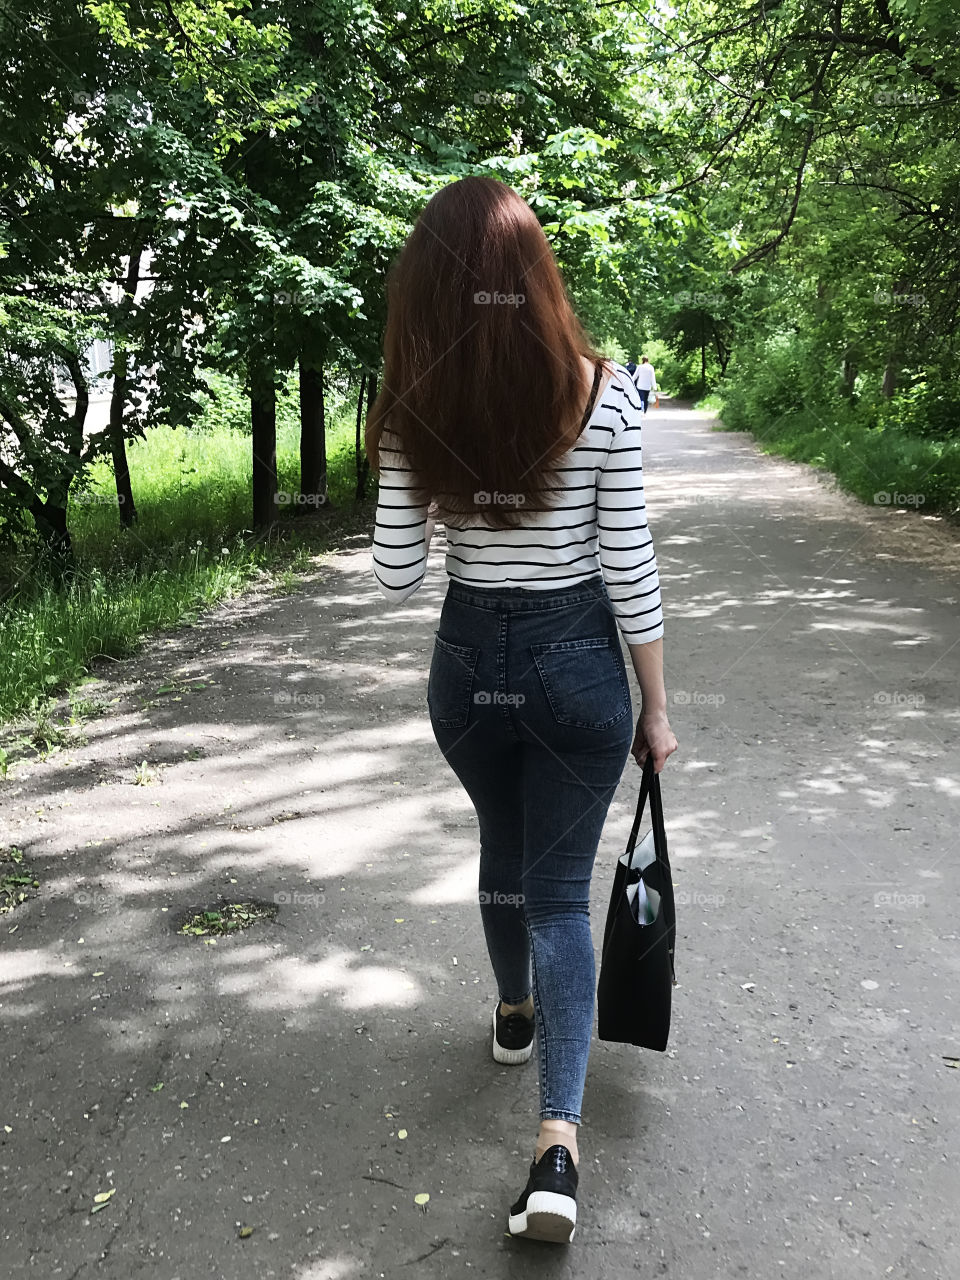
320, 1072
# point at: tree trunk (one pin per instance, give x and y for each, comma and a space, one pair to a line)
263, 420
723, 352
313, 442
118, 445
849, 372
890, 378
118, 395
50, 519
51, 515
362, 461
256, 159
703, 365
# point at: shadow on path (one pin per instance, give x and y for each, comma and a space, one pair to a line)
804, 1121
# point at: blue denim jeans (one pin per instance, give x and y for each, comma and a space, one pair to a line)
530, 706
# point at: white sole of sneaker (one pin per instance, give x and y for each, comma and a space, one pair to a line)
511, 1057
548, 1216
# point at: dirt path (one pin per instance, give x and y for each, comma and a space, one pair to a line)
802, 1125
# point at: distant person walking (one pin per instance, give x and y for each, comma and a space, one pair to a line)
645, 378
497, 416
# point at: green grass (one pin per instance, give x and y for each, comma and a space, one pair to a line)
880, 462
710, 403
191, 547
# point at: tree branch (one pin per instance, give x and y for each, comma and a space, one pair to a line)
82, 390
18, 425
890, 45
762, 250
24, 492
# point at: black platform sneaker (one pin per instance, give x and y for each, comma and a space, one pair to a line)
512, 1037
547, 1210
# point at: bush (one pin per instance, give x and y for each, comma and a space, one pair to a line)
905, 451
930, 408
676, 375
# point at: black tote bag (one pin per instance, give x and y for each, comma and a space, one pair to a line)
637, 968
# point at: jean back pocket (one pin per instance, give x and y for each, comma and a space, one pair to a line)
450, 685
585, 681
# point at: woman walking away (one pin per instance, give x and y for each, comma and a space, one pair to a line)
645, 377
498, 417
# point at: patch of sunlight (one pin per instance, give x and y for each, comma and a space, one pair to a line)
329, 1269
20, 967
827, 785
706, 819
457, 884
291, 981
8, 1010
877, 799
862, 624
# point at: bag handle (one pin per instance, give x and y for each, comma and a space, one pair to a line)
650, 786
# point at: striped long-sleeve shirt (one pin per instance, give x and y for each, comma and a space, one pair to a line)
598, 524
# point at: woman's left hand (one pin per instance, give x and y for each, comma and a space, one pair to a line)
654, 737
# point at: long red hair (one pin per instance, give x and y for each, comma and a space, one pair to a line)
483, 380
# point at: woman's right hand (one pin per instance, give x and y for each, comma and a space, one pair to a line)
653, 737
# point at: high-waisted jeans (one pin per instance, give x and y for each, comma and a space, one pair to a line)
530, 707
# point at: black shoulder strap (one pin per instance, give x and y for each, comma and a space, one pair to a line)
593, 395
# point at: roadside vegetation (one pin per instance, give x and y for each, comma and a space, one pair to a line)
198, 212
190, 548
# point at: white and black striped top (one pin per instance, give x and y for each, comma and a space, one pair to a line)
597, 525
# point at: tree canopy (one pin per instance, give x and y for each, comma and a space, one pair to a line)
771, 189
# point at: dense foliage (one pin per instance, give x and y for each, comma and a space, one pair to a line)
767, 191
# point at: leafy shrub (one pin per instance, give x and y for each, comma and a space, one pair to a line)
876, 449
